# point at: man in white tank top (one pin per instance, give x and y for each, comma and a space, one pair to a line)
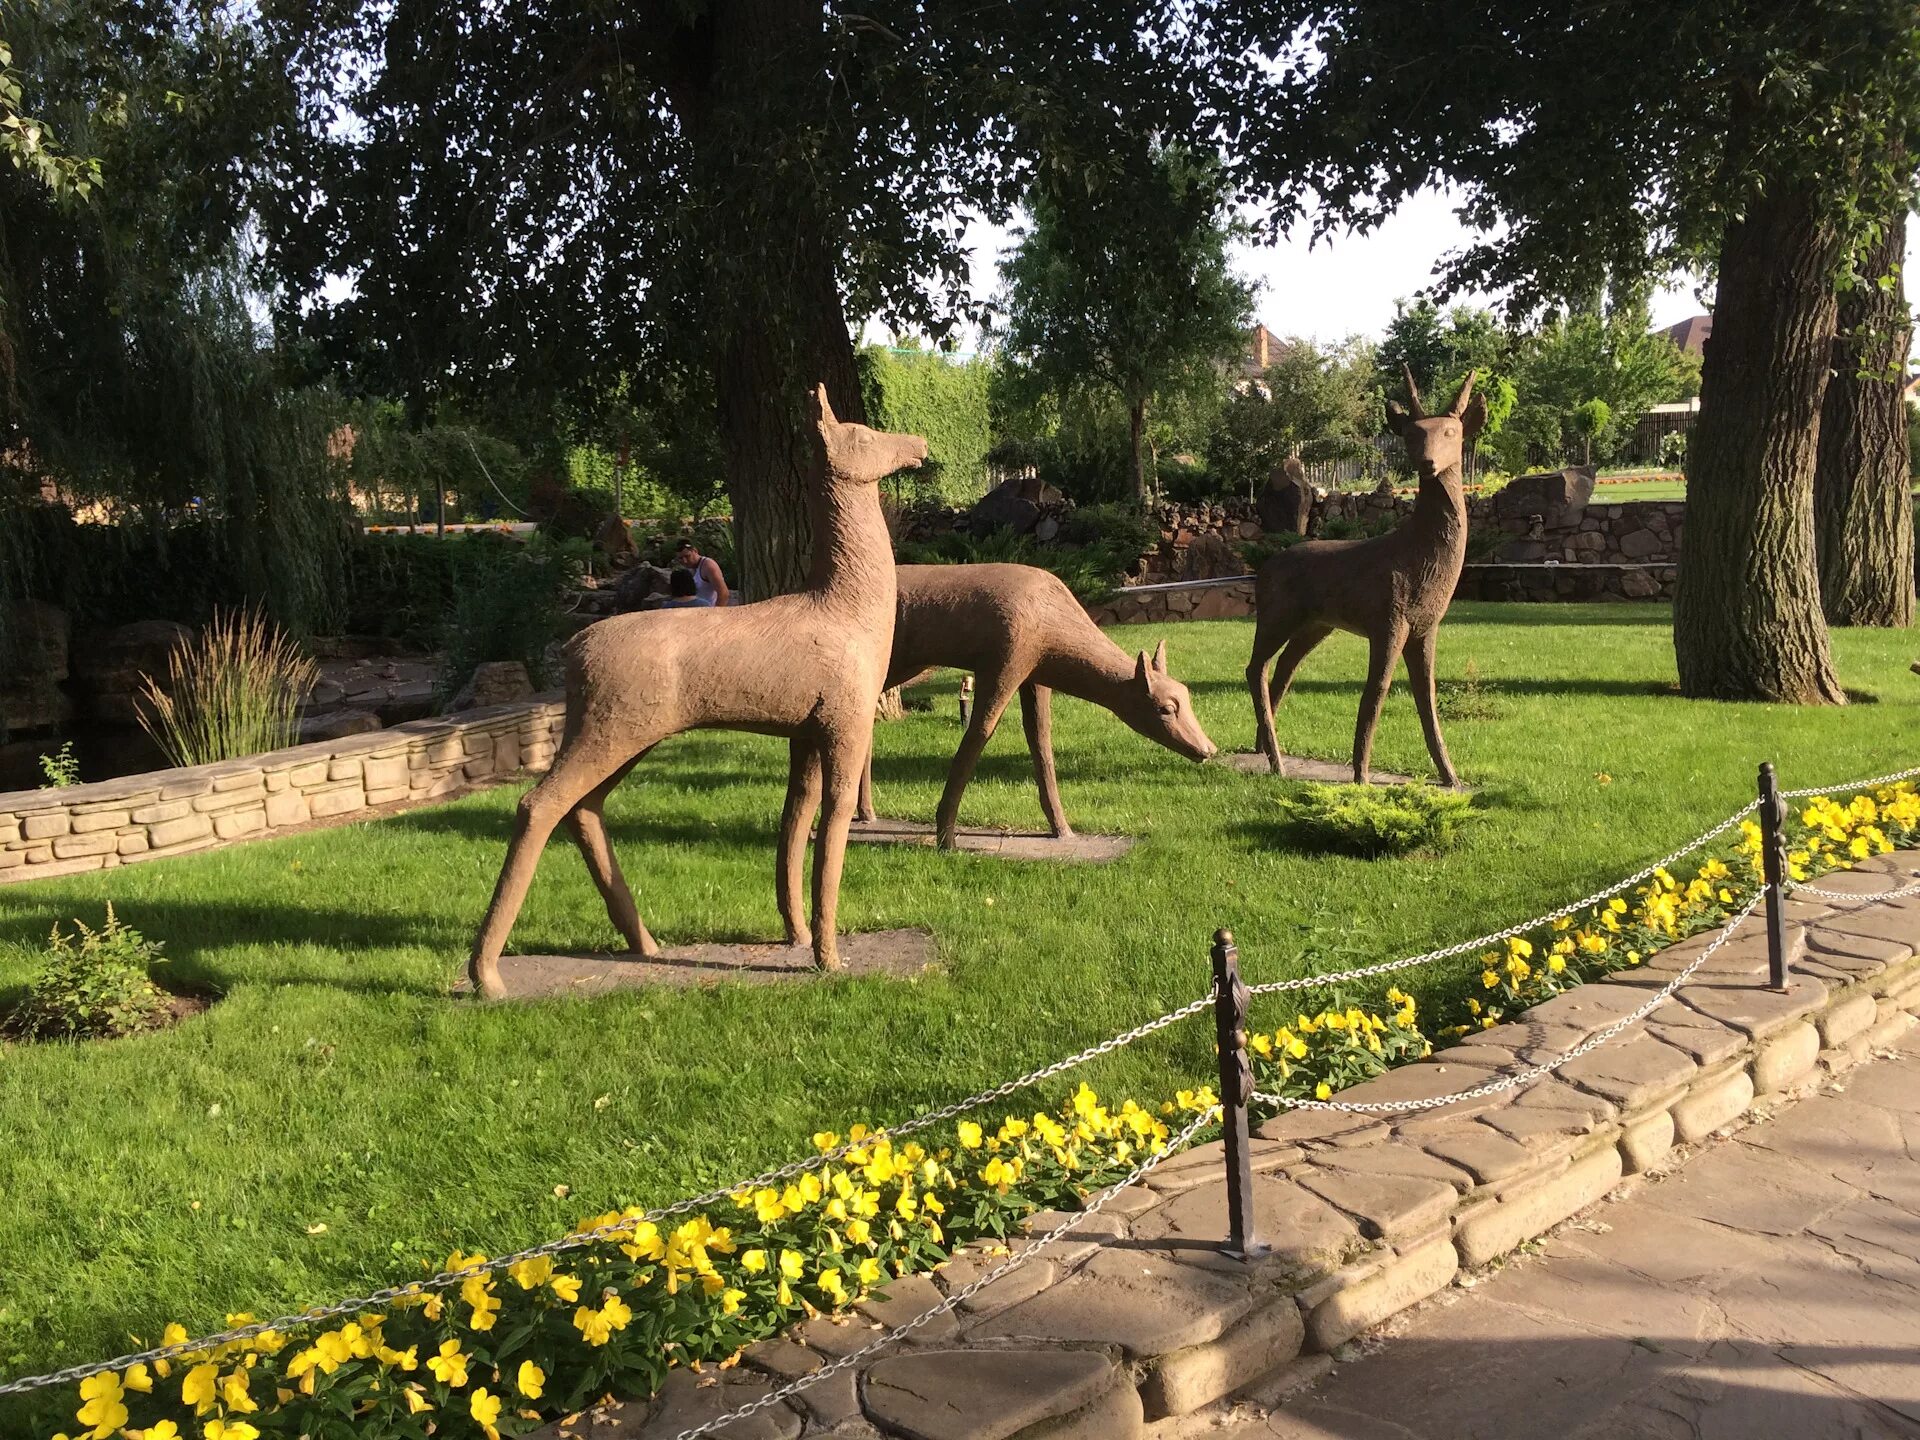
709, 585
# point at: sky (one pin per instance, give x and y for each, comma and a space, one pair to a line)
1346, 285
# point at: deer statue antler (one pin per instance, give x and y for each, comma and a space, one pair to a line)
1418, 410
1466, 394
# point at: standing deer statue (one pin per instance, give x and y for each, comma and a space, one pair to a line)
808, 666
1018, 628
1394, 589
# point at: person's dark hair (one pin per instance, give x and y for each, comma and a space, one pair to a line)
686, 543
680, 584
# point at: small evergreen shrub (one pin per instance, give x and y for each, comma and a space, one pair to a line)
1377, 820
93, 985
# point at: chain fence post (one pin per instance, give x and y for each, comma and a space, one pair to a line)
1230, 1001
1773, 814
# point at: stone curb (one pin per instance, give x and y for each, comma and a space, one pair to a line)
138, 818
1364, 1218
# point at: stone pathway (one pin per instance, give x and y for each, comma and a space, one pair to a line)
1769, 1286
899, 953
1007, 844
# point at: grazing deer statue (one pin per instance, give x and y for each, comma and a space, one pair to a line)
1393, 589
807, 666
1018, 628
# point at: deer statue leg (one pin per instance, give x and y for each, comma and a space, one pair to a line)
863, 812
1268, 637
803, 798
840, 760
1036, 715
1298, 648
991, 694
589, 826
1420, 649
1384, 654
573, 777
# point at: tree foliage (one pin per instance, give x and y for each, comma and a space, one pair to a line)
1319, 404
1124, 286
922, 392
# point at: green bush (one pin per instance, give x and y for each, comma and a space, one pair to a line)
510, 611
1096, 547
918, 392
93, 985
1377, 820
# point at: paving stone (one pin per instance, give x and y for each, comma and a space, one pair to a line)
1390, 1207
1889, 920
829, 1402
1483, 1152
1523, 1041
1130, 1202
1644, 1143
1879, 1237
1141, 1302
1401, 1281
1892, 1086
987, 1395
1754, 1010
1635, 1073
970, 1264
1203, 1164
1493, 1228
1261, 1342
1547, 1134
836, 1335
1553, 1094
1749, 1191
1785, 1058
1590, 1294
1427, 1080
1829, 944
1300, 1229
1706, 1040
1396, 1160
1588, 1008
687, 1400
1296, 1375
1844, 1019
1707, 1107
1743, 960
1671, 1249
1311, 1126
900, 1300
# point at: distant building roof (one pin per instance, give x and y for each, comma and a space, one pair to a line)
1264, 348
1691, 334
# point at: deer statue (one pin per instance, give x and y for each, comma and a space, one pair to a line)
808, 666
1018, 628
1394, 589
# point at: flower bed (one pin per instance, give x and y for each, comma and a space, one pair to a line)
485, 1350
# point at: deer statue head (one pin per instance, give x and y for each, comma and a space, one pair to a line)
1436, 442
857, 455
1159, 707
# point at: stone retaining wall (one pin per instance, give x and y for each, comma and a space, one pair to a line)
172, 812
1138, 1316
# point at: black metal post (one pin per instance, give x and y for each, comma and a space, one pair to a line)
1230, 1000
966, 698
1773, 814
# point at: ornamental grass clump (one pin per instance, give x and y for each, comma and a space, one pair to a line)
93, 985
1376, 820
235, 689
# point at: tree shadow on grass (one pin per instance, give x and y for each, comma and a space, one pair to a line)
1613, 689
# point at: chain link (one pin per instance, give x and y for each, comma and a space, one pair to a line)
1531, 1072
1463, 947
1894, 778
448, 1278
813, 1377
1801, 888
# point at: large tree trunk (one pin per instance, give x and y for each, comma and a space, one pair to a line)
1862, 505
768, 259
1137, 470
1746, 615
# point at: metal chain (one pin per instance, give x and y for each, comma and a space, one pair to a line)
1801, 888
447, 1278
1532, 1072
1139, 1172
1894, 778
1387, 967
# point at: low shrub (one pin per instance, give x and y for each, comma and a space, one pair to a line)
513, 610
1377, 820
93, 985
60, 768
235, 689
1467, 698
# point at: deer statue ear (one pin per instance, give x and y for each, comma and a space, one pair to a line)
1474, 419
1397, 417
822, 407
1160, 658
1141, 669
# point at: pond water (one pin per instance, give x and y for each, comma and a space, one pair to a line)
103, 752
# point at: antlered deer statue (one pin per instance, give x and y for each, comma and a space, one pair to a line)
1394, 589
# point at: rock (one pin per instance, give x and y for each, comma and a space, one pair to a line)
113, 667
1558, 496
495, 682
1048, 529
1287, 501
1209, 558
638, 585
410, 700
1014, 505
30, 693
336, 725
615, 541
992, 1395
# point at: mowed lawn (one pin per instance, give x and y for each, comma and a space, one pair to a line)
337, 1115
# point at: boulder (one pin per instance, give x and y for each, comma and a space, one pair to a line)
336, 725
1208, 558
495, 682
113, 667
638, 585
615, 541
35, 664
1014, 505
1287, 501
1557, 495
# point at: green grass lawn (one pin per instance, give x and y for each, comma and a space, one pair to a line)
187, 1174
1618, 492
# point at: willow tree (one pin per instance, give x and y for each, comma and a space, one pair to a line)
1598, 143
553, 193
1862, 485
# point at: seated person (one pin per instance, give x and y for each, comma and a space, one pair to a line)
682, 594
709, 584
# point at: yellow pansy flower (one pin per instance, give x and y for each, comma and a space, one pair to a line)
449, 1367
105, 1408
229, 1430
485, 1409
567, 1287
532, 1379
198, 1387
